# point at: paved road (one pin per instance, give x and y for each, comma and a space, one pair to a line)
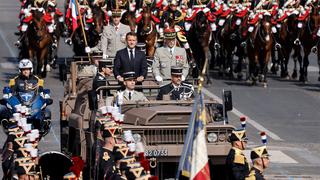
287, 110
8, 69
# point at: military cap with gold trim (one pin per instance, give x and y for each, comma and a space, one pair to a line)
173, 2
116, 13
259, 152
238, 135
169, 33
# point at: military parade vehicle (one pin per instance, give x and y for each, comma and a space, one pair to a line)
161, 125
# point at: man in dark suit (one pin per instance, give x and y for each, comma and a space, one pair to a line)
130, 59
177, 90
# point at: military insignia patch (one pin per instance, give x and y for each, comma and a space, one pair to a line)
101, 78
106, 156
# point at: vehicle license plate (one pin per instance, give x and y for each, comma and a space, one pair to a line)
156, 152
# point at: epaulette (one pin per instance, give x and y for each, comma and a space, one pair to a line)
12, 81
239, 157
40, 82
251, 176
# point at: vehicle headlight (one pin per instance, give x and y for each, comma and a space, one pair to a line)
137, 137
222, 137
212, 137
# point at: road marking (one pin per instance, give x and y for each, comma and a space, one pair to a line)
54, 135
8, 65
249, 120
276, 157
7, 44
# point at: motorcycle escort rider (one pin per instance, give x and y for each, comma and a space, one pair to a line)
25, 80
22, 89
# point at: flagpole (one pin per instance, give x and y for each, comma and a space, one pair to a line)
201, 78
82, 28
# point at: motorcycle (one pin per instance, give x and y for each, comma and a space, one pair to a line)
31, 104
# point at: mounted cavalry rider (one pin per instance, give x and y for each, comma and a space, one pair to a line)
172, 16
41, 6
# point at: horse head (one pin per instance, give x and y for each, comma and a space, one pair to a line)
38, 26
265, 31
201, 22
146, 21
129, 17
98, 18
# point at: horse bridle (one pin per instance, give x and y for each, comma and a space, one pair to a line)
36, 29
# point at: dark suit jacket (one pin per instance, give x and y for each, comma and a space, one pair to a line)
123, 64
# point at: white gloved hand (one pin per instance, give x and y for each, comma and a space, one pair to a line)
159, 78
87, 49
183, 78
104, 56
109, 13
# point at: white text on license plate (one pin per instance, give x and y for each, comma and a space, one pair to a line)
156, 152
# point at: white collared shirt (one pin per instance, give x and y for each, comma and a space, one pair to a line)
128, 92
133, 52
171, 49
115, 27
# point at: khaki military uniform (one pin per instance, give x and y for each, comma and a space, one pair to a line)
112, 40
164, 61
135, 96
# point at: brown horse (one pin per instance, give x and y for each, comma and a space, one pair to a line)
198, 36
147, 32
261, 47
39, 40
285, 37
309, 39
99, 20
129, 18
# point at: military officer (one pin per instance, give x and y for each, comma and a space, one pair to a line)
177, 90
107, 165
129, 94
236, 163
168, 56
114, 36
104, 71
260, 159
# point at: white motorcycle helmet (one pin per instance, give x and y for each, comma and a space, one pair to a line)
25, 64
